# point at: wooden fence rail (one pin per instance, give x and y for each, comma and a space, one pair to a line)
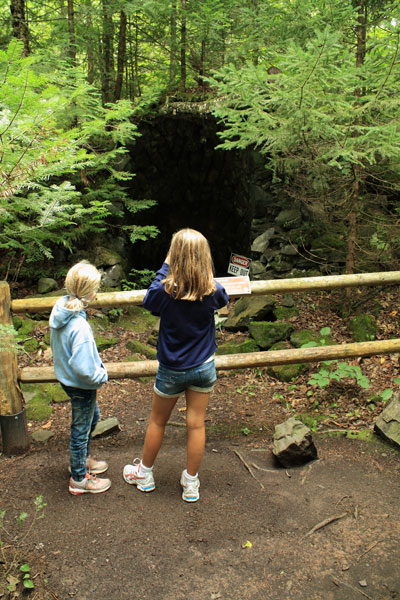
14, 434
131, 370
258, 288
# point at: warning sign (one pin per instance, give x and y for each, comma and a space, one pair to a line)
235, 286
239, 265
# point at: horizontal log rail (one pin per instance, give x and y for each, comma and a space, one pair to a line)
14, 433
258, 288
131, 370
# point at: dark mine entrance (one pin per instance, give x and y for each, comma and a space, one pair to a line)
176, 163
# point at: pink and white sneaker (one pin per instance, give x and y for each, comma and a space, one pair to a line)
88, 485
134, 475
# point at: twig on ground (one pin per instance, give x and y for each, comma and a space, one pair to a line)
324, 523
176, 424
306, 474
262, 469
248, 468
369, 548
341, 500
337, 581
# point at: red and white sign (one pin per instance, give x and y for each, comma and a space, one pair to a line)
239, 265
235, 286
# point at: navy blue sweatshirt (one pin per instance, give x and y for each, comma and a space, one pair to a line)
187, 328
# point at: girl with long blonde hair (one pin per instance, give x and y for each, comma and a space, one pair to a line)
185, 295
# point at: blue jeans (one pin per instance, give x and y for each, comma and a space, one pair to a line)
84, 418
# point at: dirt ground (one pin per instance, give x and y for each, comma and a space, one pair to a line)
329, 530
249, 537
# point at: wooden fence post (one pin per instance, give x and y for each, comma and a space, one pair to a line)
12, 413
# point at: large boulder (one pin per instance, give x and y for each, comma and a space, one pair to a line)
247, 309
262, 241
388, 422
46, 285
267, 333
293, 444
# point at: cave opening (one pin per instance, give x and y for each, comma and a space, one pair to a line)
176, 163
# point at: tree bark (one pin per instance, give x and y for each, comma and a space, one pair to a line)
121, 56
173, 46
182, 85
355, 195
71, 31
107, 52
10, 394
19, 24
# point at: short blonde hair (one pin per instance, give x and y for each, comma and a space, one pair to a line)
82, 282
190, 274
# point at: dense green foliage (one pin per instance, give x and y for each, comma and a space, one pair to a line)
313, 85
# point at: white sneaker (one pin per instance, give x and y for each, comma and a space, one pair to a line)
88, 485
95, 467
134, 475
190, 491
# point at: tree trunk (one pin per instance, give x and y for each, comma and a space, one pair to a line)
10, 394
121, 56
182, 85
71, 31
90, 46
173, 46
19, 24
108, 57
355, 196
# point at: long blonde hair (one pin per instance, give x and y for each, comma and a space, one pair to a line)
190, 274
82, 282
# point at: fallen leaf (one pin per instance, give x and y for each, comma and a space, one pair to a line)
247, 545
47, 425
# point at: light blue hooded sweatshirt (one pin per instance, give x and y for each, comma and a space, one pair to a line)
75, 357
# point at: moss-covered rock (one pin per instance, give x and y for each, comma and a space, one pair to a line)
284, 312
17, 322
103, 342
307, 336
137, 319
26, 327
247, 309
267, 333
287, 372
52, 392
363, 327
138, 347
99, 322
31, 345
153, 337
330, 239
233, 348
38, 408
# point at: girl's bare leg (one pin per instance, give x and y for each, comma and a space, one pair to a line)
160, 412
196, 406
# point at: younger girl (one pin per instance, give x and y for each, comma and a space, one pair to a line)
79, 370
185, 295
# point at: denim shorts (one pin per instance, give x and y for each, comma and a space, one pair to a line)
171, 383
